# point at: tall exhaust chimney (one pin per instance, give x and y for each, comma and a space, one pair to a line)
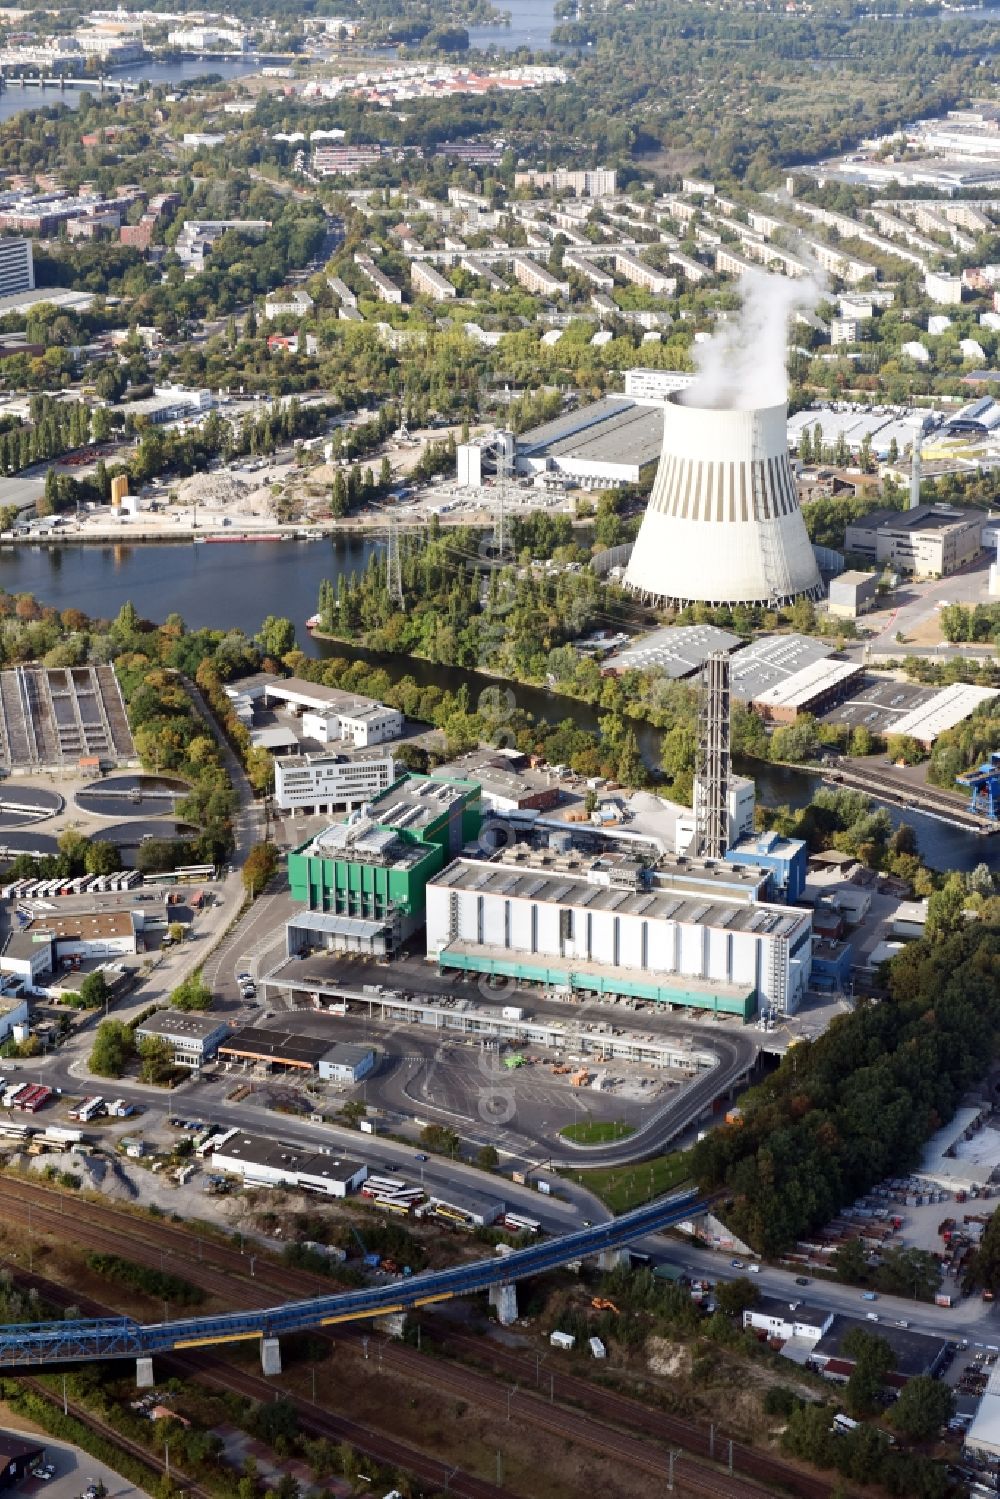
916, 465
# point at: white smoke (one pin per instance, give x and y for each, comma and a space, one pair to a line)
743, 363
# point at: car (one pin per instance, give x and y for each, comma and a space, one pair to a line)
737, 1264
242, 977
421, 1156
802, 1280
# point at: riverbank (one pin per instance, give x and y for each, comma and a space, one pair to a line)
225, 587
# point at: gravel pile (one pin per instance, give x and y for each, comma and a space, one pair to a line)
226, 492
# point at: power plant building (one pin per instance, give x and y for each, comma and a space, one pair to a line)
723, 524
931, 541
692, 935
362, 881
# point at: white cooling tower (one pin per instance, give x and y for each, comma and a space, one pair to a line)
723, 524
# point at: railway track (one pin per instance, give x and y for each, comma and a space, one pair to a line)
223, 1271
145, 1455
313, 1419
631, 1413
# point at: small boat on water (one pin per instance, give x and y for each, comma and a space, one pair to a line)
313, 622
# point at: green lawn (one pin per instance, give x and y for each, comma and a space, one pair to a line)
624, 1187
597, 1131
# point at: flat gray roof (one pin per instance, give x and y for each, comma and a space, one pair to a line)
631, 436
560, 887
255, 1150
771, 659
182, 1023
677, 650
615, 428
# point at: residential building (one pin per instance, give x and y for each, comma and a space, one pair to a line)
428, 282
17, 268
640, 274
655, 385
195, 1039
942, 288
385, 290
845, 330
295, 303
536, 279
342, 291
313, 784
600, 182
334, 161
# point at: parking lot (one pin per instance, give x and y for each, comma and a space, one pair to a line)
75, 1472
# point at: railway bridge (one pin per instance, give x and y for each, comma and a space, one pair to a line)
35, 1346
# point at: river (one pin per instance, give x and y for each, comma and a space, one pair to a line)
238, 584
14, 99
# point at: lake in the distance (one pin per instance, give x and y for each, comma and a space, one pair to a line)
531, 23
14, 99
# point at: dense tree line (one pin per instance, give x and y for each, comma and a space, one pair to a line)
856, 1105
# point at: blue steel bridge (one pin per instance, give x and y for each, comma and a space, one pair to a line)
38, 1344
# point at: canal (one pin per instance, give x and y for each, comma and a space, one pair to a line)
236, 585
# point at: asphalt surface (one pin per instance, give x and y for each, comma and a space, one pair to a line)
655, 1128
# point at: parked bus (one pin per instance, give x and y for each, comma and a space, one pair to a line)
514, 1223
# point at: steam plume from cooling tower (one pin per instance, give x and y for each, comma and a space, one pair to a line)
743, 364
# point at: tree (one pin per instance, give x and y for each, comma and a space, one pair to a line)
873, 1360
261, 865
734, 1296
114, 1047
94, 990
276, 637
102, 857
440, 1139
487, 1158
192, 994
353, 1111
946, 911
923, 1407
156, 1059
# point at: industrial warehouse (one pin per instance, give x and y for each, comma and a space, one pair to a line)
698, 936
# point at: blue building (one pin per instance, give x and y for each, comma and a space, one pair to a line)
783, 858
831, 966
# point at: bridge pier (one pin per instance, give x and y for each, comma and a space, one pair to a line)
270, 1356
504, 1298
393, 1324
144, 1374
610, 1259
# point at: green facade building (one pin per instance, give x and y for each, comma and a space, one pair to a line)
365, 878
